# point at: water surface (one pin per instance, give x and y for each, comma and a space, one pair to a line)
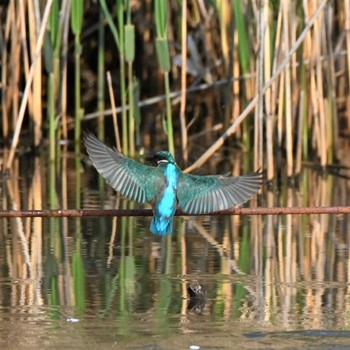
271, 282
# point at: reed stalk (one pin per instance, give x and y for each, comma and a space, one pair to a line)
184, 136
131, 117
269, 110
244, 54
305, 126
77, 13
276, 87
51, 50
101, 76
23, 49
299, 143
288, 94
78, 187
331, 110
123, 92
114, 114
129, 44
53, 201
64, 25
169, 122
51, 115
258, 122
223, 10
137, 112
320, 97
37, 107
347, 33
163, 55
4, 38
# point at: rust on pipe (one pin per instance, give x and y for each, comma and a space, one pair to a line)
148, 212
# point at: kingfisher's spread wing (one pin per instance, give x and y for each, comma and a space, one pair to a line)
207, 194
134, 180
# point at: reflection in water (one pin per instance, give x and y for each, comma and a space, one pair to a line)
197, 296
92, 281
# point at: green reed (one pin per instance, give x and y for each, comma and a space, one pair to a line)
51, 48
162, 47
129, 46
121, 48
101, 77
124, 37
137, 111
77, 13
244, 51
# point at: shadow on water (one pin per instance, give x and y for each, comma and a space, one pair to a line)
262, 282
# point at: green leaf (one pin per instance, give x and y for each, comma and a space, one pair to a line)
163, 55
161, 14
48, 52
129, 38
110, 22
54, 22
77, 12
243, 40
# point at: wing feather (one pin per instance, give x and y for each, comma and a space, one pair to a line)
207, 194
132, 179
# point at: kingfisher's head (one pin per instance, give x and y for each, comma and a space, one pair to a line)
162, 157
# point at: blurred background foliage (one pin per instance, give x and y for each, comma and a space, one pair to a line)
195, 77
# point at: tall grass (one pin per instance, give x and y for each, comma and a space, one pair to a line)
163, 54
124, 36
101, 76
285, 60
129, 45
184, 136
51, 54
77, 15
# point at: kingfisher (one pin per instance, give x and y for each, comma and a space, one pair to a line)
166, 187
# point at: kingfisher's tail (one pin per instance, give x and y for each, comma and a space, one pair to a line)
162, 225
